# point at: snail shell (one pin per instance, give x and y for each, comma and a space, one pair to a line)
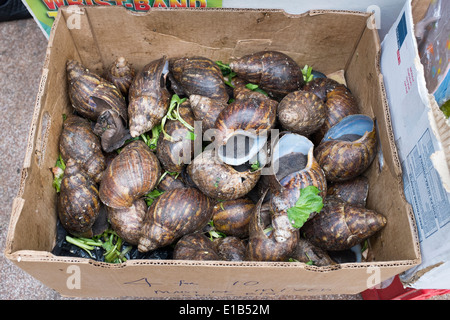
128, 222
195, 246
78, 141
341, 225
206, 110
172, 215
91, 95
78, 202
306, 252
121, 74
149, 97
112, 131
131, 174
242, 129
233, 216
200, 76
230, 248
294, 168
321, 87
273, 71
348, 148
301, 112
175, 153
219, 180
262, 245
354, 191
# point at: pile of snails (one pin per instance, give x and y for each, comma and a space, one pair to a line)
322, 141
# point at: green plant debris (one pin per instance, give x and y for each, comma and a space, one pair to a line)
58, 173
308, 202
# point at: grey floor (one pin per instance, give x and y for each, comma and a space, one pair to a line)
22, 51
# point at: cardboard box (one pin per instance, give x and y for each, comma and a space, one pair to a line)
328, 40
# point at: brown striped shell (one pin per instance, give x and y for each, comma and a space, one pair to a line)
348, 148
294, 168
128, 222
273, 71
219, 180
200, 76
233, 216
206, 110
262, 245
321, 87
354, 191
175, 152
230, 248
301, 112
340, 225
91, 95
308, 253
130, 175
172, 215
78, 201
241, 121
148, 97
195, 246
77, 141
121, 74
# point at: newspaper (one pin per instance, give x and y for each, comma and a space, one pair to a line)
409, 102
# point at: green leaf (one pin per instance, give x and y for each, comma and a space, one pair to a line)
254, 166
446, 108
58, 173
191, 136
307, 73
308, 202
174, 114
224, 67
152, 196
255, 87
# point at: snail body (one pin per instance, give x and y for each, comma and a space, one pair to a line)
273, 71
348, 148
172, 215
77, 141
78, 202
148, 97
131, 174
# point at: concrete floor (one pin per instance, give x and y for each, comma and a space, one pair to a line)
22, 51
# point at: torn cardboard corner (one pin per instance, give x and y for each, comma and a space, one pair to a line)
329, 42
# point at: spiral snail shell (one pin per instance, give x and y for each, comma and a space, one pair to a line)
120, 73
294, 168
78, 142
91, 94
348, 148
148, 97
78, 201
130, 175
273, 71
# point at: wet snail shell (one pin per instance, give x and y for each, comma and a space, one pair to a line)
148, 97
348, 148
121, 74
132, 173
200, 76
128, 222
354, 191
176, 152
306, 252
91, 94
294, 168
262, 245
219, 180
321, 86
112, 130
242, 129
233, 216
301, 112
341, 225
78, 142
172, 215
230, 248
206, 110
273, 71
78, 202
195, 246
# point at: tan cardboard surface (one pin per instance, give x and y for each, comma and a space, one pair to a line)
329, 41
